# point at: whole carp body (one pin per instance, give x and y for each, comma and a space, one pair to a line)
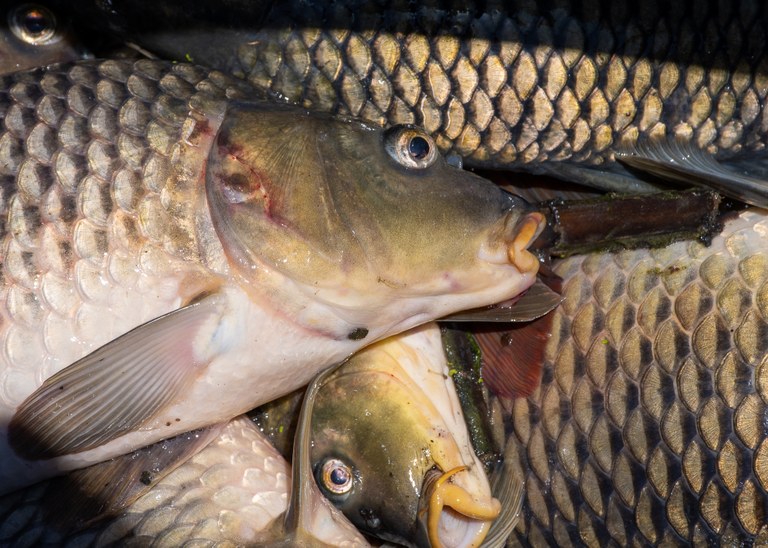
553, 86
649, 425
177, 251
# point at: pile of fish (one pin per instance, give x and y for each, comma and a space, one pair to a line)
185, 241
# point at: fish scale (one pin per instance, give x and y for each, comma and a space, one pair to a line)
651, 412
93, 217
516, 83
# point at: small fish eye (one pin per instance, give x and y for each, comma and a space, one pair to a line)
410, 147
336, 477
35, 25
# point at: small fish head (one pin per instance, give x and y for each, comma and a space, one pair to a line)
384, 453
373, 224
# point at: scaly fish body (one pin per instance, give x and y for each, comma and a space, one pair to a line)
509, 83
233, 492
649, 425
153, 209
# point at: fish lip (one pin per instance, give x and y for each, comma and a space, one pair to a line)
512, 239
450, 515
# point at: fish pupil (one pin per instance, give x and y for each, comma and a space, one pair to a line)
418, 147
35, 22
339, 476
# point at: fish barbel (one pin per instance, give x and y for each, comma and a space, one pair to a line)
649, 425
515, 84
382, 425
170, 241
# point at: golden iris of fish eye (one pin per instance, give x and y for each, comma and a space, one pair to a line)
410, 147
33, 24
336, 477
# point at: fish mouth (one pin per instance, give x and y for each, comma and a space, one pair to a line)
454, 517
526, 231
513, 239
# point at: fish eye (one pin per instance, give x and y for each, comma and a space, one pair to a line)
33, 24
410, 147
336, 477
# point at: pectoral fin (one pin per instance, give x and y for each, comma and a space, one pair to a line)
682, 161
115, 389
80, 498
513, 358
538, 301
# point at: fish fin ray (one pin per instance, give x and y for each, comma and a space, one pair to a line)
105, 489
682, 161
536, 302
513, 358
508, 489
83, 406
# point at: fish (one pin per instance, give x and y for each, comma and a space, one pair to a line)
560, 88
383, 429
177, 251
396, 458
648, 426
36, 35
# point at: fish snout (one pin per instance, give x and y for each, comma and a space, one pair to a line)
452, 515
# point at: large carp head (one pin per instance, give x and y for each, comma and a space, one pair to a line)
355, 230
390, 447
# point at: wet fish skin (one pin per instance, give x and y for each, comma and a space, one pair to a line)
135, 195
649, 424
514, 83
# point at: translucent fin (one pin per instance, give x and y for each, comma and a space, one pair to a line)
509, 491
81, 498
682, 161
538, 301
113, 390
513, 358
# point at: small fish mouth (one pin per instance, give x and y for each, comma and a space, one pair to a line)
454, 516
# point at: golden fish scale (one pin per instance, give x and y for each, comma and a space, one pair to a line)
650, 423
495, 90
98, 175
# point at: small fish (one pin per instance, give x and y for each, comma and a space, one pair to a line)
649, 426
177, 251
35, 35
396, 456
383, 436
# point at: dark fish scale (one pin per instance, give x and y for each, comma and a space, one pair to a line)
528, 82
677, 449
